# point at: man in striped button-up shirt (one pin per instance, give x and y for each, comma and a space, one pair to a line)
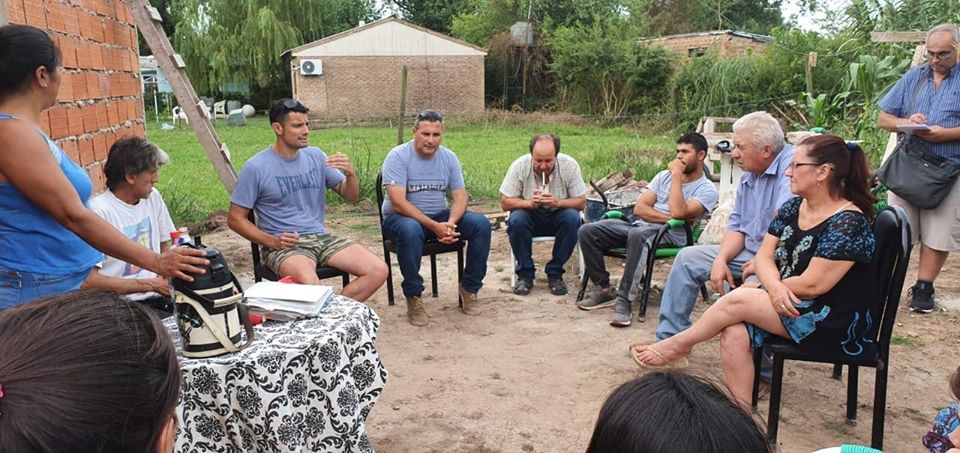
937, 104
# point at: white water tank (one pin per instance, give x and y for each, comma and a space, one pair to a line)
521, 34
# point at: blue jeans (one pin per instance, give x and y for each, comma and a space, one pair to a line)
17, 288
409, 235
690, 268
524, 224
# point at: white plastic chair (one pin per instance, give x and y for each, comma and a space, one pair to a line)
220, 109
178, 114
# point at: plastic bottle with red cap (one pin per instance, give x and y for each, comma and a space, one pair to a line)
184, 235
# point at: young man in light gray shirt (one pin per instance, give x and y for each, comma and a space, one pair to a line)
682, 191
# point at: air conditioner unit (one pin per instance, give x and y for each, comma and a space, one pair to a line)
311, 67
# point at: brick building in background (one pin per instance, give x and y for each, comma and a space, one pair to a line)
100, 97
357, 73
727, 43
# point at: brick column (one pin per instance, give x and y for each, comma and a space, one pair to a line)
100, 97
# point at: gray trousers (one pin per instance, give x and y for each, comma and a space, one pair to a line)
597, 237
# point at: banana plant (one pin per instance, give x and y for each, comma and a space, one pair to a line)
824, 110
868, 79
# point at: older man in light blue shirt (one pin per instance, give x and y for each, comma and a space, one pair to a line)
930, 94
761, 151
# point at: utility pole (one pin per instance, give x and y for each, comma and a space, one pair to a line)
811, 63
403, 104
719, 16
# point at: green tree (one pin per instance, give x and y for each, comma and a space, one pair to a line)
241, 41
566, 13
865, 16
669, 17
487, 18
169, 23
600, 69
437, 15
490, 18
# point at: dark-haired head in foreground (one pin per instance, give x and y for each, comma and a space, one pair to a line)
28, 55
677, 413
86, 371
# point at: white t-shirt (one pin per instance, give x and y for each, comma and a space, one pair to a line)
146, 222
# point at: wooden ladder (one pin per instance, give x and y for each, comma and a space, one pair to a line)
149, 21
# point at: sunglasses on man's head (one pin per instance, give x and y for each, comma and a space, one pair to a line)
292, 104
430, 116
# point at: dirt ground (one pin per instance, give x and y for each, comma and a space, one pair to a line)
531, 373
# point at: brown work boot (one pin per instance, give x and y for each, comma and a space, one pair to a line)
416, 311
471, 305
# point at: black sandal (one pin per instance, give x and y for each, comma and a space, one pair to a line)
557, 286
523, 286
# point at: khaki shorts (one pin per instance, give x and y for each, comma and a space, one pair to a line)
937, 228
318, 247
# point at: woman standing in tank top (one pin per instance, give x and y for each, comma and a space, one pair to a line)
49, 240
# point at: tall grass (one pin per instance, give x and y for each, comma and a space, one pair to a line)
718, 86
485, 148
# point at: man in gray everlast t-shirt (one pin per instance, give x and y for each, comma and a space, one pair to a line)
286, 185
417, 176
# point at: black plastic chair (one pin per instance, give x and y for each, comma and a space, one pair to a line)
262, 272
431, 247
892, 232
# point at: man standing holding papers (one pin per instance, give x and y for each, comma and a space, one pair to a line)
930, 95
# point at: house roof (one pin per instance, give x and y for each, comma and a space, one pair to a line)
390, 36
740, 34
148, 63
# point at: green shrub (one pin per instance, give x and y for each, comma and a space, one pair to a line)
602, 71
716, 86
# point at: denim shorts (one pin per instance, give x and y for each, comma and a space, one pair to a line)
17, 288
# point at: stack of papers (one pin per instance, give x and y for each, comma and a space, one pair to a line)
287, 301
911, 128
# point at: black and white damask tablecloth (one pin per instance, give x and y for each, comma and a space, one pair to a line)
306, 385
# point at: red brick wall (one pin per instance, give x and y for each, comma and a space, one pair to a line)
100, 98
369, 87
726, 45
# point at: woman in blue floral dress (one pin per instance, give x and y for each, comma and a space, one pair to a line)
815, 283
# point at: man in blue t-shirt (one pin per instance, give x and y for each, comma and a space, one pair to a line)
417, 176
682, 191
286, 185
